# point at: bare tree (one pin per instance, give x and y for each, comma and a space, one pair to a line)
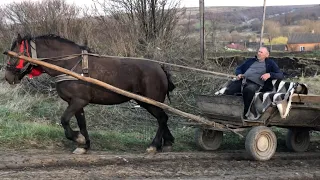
272, 29
309, 26
213, 32
235, 36
45, 17
288, 19
148, 24
118, 27
4, 36
39, 18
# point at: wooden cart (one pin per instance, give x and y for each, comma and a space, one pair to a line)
261, 142
224, 113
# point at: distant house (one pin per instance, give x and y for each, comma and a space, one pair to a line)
277, 47
235, 47
303, 42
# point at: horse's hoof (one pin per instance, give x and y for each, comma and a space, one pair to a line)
79, 151
81, 139
167, 149
151, 150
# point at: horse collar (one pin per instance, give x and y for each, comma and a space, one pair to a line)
33, 49
85, 62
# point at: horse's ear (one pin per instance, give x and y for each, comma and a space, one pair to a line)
86, 42
19, 38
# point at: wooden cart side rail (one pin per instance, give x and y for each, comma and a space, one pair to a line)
198, 119
303, 98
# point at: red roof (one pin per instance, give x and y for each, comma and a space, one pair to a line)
235, 46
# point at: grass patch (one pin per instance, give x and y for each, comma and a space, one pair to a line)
232, 141
313, 54
22, 135
184, 139
117, 141
19, 131
16, 134
28, 135
313, 84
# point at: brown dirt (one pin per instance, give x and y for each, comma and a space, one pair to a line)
44, 164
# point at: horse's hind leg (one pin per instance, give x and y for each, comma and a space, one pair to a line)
163, 131
168, 140
83, 137
74, 108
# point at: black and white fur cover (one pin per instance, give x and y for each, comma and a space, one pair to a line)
280, 96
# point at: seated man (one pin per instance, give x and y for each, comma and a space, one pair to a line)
254, 75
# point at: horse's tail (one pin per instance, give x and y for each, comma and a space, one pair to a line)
171, 86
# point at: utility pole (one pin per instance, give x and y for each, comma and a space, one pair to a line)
263, 18
201, 7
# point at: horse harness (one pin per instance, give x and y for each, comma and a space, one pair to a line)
63, 77
85, 67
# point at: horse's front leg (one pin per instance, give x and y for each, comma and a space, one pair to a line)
75, 108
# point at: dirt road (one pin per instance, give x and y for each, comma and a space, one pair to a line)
44, 164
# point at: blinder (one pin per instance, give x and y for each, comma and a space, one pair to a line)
19, 67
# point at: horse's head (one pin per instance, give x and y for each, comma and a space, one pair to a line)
17, 68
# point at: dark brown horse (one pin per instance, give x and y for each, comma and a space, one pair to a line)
145, 78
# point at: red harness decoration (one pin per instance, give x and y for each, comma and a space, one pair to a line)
35, 71
21, 50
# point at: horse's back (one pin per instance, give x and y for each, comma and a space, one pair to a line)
127, 68
138, 76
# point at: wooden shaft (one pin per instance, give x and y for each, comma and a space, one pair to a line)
163, 106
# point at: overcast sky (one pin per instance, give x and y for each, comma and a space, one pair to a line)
195, 3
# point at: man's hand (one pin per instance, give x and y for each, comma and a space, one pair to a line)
265, 76
240, 76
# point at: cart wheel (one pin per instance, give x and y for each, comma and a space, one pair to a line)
208, 139
261, 143
298, 140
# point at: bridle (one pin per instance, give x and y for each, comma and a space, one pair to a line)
19, 67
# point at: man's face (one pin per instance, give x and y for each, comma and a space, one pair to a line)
263, 53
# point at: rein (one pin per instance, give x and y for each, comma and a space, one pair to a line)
85, 65
66, 57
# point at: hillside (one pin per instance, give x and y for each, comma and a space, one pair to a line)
243, 24
238, 15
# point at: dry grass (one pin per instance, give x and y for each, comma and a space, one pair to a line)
313, 84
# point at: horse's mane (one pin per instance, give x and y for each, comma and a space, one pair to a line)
56, 37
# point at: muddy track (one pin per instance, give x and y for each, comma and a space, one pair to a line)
37, 164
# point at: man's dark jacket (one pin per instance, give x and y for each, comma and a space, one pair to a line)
271, 67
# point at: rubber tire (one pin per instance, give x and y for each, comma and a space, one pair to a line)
298, 140
208, 139
259, 136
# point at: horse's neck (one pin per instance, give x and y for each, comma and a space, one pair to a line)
55, 48
67, 64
